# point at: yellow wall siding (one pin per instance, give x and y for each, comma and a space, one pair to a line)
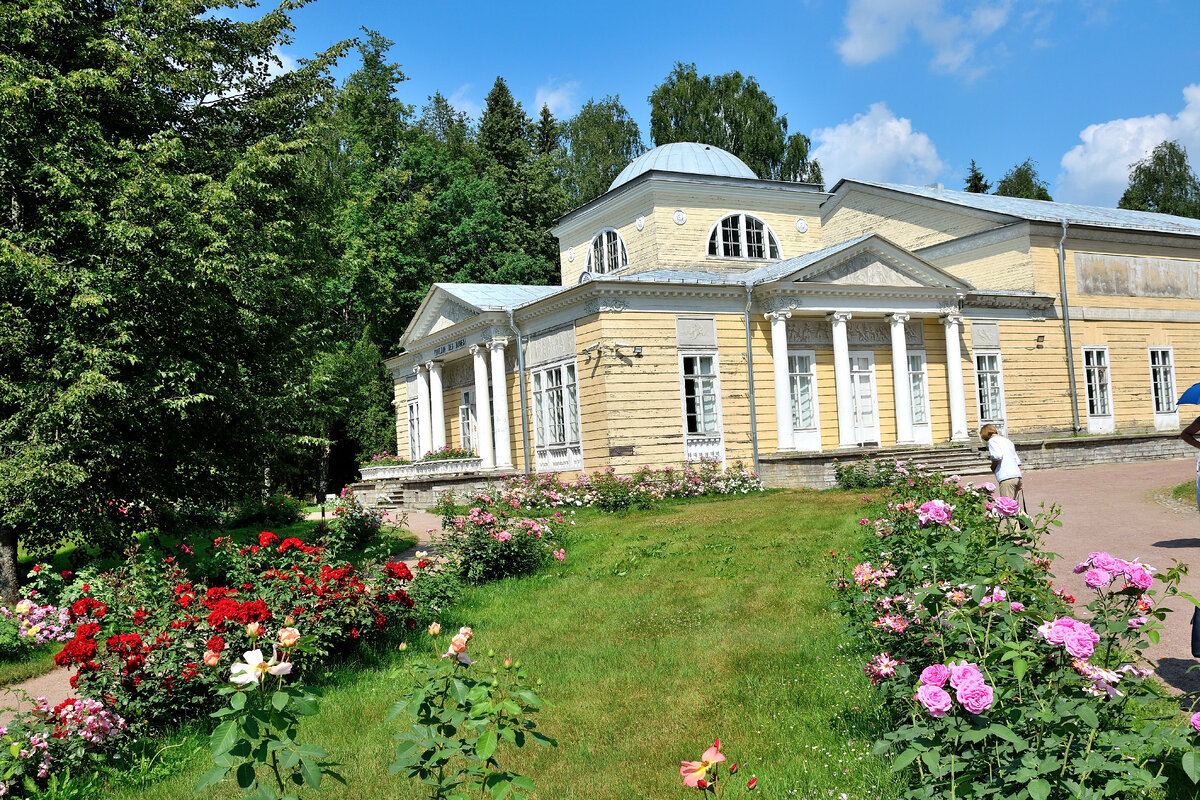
1045, 260
400, 399
906, 223
687, 244
764, 382
593, 396
936, 376
1004, 265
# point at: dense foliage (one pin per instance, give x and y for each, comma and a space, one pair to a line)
999, 684
1163, 182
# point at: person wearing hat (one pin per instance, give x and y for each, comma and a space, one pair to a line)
1006, 464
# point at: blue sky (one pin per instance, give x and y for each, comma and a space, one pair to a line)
899, 90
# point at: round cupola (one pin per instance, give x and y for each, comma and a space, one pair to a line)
686, 157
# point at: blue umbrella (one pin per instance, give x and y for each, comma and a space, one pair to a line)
1191, 396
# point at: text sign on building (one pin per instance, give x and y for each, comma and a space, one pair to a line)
441, 350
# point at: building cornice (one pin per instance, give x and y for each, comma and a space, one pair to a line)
1024, 301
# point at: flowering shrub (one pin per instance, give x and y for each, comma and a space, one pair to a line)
866, 473
31, 624
460, 718
47, 741
606, 490
998, 686
384, 459
484, 545
353, 525
145, 632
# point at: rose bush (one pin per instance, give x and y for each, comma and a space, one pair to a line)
487, 543
77, 734
999, 686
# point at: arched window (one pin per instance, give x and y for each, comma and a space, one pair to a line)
607, 253
743, 236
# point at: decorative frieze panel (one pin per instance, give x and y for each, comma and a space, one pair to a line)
1127, 276
695, 332
549, 346
870, 333
865, 269
457, 374
602, 304
985, 335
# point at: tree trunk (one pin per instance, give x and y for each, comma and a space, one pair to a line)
10, 581
266, 490
323, 473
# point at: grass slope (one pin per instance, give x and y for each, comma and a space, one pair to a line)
662, 631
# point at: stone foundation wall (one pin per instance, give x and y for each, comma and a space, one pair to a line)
417, 494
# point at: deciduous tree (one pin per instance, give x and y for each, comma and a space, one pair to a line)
1023, 181
600, 140
1163, 181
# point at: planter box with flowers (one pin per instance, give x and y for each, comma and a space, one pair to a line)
437, 463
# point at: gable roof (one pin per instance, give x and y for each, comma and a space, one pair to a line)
449, 303
1040, 210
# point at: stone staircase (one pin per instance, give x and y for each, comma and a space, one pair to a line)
966, 460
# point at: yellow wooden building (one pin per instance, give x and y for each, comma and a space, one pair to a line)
705, 313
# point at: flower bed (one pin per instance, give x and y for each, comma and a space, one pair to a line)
606, 490
998, 684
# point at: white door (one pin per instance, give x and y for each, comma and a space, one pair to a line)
703, 439
466, 419
1099, 390
918, 380
806, 416
866, 409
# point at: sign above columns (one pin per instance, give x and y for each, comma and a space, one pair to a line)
815, 332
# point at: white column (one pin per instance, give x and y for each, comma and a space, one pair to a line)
483, 419
958, 403
500, 405
438, 405
900, 383
424, 426
841, 377
783, 385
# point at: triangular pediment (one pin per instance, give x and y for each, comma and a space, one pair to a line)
438, 311
873, 262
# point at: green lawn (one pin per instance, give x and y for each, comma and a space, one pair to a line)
1185, 492
31, 663
662, 631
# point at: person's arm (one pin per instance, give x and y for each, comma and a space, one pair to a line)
996, 461
1189, 433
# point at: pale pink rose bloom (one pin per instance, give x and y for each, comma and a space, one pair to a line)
288, 637
1137, 622
934, 698
936, 511
1097, 578
254, 630
211, 658
434, 629
976, 697
963, 674
1195, 721
935, 675
1106, 562
1140, 577
467, 632
459, 643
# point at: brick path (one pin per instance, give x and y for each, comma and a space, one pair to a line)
1113, 507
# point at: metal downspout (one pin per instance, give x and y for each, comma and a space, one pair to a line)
1066, 312
750, 376
512, 323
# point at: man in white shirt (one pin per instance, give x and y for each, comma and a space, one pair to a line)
1006, 464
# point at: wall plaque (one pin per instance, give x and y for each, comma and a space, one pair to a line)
695, 332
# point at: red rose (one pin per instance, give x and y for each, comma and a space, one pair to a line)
67, 574
87, 587
37, 567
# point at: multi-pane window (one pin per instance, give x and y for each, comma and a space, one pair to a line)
414, 430
700, 395
803, 381
466, 419
918, 383
1162, 380
990, 388
743, 236
607, 253
1095, 367
556, 406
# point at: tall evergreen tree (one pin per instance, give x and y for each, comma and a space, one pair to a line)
546, 136
504, 129
976, 183
1023, 181
445, 124
600, 140
732, 112
1163, 181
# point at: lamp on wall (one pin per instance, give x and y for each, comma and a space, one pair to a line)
1041, 342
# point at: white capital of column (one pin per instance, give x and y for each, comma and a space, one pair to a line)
438, 404
424, 424
500, 405
958, 403
783, 384
483, 419
841, 378
900, 383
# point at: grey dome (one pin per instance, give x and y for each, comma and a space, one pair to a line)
690, 157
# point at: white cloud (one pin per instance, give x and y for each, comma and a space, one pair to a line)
285, 64
1097, 171
877, 146
877, 28
462, 101
559, 96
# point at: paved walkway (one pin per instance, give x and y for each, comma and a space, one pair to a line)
1117, 508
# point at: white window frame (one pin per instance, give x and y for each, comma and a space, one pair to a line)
768, 231
414, 429
922, 431
804, 438
468, 424
607, 267
1001, 423
1098, 422
1163, 420
701, 442
556, 456
863, 434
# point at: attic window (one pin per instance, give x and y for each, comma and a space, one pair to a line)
607, 253
743, 236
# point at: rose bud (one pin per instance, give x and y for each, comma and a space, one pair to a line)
750, 785
733, 769
434, 629
254, 630
404, 645
211, 658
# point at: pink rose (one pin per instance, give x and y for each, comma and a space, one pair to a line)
1017, 606
962, 674
288, 637
976, 697
1006, 506
937, 511
1196, 720
1140, 577
1106, 562
935, 699
935, 675
1137, 622
254, 630
467, 632
434, 629
1079, 644
459, 643
1097, 578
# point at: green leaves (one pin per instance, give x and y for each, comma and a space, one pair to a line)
1039, 789
1191, 765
